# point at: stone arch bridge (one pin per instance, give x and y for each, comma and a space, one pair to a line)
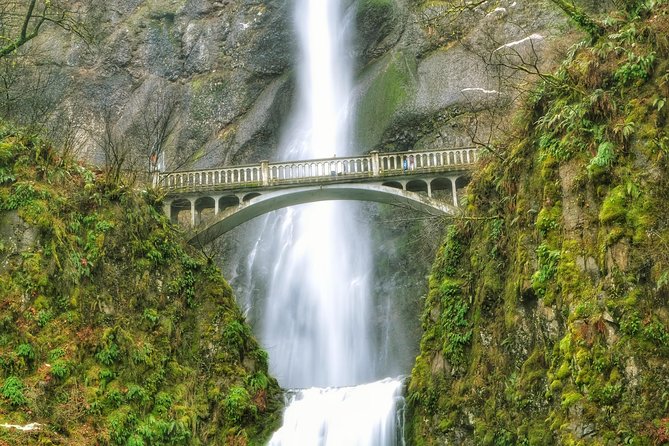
213, 201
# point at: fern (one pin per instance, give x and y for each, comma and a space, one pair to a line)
605, 156
12, 389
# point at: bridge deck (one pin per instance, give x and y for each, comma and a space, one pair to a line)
373, 167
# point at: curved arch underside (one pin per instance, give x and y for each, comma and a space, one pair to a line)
274, 200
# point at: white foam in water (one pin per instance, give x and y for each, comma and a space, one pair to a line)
364, 415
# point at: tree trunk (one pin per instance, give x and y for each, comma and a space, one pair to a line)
587, 23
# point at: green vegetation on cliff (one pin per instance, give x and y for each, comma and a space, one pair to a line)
547, 319
112, 330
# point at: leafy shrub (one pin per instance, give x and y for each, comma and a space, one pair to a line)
60, 368
656, 333
162, 403
108, 354
151, 315
261, 357
43, 317
548, 261
26, 352
56, 353
604, 158
6, 175
637, 68
22, 194
454, 322
258, 381
137, 393
12, 389
238, 404
235, 333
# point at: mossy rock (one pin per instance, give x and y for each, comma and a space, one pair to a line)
388, 84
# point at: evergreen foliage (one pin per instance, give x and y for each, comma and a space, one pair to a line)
562, 267
112, 330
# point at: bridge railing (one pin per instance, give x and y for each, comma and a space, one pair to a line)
374, 164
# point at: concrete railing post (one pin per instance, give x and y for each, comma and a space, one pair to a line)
375, 163
264, 172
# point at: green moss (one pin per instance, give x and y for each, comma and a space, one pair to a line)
570, 398
564, 371
613, 207
391, 81
548, 219
120, 333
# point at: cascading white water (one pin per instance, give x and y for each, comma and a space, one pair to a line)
316, 319
342, 416
316, 323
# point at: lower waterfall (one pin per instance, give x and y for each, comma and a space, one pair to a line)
364, 415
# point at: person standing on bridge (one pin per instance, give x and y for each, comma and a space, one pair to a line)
411, 163
405, 164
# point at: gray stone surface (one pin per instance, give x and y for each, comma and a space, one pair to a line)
216, 57
230, 64
457, 66
15, 237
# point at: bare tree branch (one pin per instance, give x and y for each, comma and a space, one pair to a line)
20, 22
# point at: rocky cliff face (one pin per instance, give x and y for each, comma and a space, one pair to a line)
440, 62
547, 321
221, 67
224, 69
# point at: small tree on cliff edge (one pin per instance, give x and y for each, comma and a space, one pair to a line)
21, 21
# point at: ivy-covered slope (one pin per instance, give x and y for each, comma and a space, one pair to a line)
112, 330
547, 320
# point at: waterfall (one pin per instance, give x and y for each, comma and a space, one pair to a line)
364, 415
316, 322
317, 318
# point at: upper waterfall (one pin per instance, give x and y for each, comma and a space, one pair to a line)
320, 125
316, 322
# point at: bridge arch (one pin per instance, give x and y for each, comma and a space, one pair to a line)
271, 201
206, 206
204, 203
250, 196
418, 186
442, 187
228, 201
394, 184
177, 207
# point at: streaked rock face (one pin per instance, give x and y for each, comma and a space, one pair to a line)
226, 68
